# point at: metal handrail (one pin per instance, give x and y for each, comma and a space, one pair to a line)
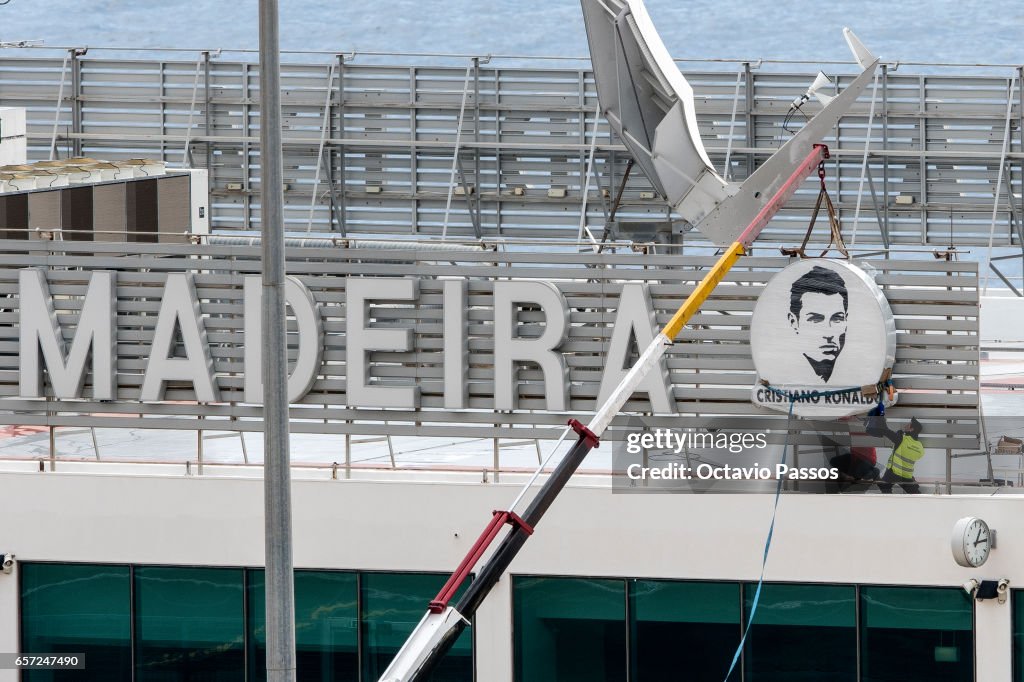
426, 243
406, 200
350, 55
852, 152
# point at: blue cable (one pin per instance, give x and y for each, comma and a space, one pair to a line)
764, 559
793, 398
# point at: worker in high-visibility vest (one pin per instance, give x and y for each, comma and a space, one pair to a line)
906, 452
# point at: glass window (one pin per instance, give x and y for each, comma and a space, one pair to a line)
802, 632
326, 634
188, 625
669, 617
77, 608
392, 605
569, 629
916, 633
1018, 634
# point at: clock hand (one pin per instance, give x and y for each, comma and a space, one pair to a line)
980, 540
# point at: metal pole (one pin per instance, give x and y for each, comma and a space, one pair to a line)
191, 113
60, 103
864, 162
885, 147
76, 99
455, 157
280, 595
208, 124
999, 183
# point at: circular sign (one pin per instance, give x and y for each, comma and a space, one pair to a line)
819, 329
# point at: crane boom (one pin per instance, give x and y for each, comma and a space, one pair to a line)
443, 622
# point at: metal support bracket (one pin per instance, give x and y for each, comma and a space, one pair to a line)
589, 437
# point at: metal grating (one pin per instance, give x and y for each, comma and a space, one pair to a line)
936, 142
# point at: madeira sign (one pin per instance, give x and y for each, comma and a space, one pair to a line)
467, 344
530, 324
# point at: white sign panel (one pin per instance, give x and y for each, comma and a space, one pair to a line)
821, 328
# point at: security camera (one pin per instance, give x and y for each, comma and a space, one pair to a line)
970, 586
991, 589
1002, 589
7, 564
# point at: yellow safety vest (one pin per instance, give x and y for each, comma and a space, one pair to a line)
905, 455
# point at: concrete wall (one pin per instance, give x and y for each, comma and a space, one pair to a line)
422, 526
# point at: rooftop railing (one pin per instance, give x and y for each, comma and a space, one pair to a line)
481, 149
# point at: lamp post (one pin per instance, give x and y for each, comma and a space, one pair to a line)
280, 589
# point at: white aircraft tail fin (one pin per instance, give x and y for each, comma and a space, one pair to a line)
860, 53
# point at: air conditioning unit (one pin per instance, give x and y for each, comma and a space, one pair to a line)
84, 199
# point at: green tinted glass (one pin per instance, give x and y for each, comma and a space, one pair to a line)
1018, 634
669, 617
77, 608
569, 629
916, 633
188, 625
788, 617
392, 605
326, 630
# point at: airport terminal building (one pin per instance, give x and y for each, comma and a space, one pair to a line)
448, 313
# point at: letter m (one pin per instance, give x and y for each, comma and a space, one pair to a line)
41, 334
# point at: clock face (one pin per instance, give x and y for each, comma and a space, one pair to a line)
977, 542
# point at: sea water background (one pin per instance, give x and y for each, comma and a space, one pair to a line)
909, 31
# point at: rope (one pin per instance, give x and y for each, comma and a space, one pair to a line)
833, 221
811, 395
793, 398
764, 557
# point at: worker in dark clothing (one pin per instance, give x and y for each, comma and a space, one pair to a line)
907, 450
855, 465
